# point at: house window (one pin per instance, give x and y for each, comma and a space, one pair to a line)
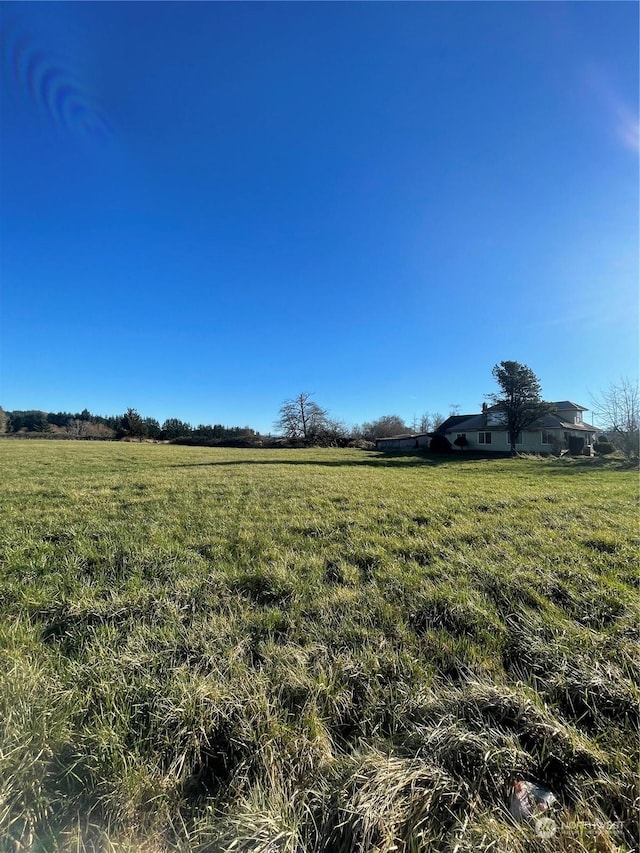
518, 438
461, 435
578, 418
484, 438
547, 437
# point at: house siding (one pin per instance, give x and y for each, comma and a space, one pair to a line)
531, 440
571, 416
403, 442
499, 442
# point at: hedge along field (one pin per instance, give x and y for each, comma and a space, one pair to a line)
329, 650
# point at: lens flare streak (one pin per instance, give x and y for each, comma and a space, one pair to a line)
51, 87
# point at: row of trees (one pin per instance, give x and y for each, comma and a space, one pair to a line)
77, 425
302, 420
130, 424
393, 425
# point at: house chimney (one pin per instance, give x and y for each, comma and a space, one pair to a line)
484, 408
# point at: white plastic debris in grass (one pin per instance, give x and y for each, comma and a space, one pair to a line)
529, 800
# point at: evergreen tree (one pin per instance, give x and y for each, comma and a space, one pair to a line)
175, 428
519, 398
132, 424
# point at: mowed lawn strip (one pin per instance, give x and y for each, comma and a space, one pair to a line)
220, 649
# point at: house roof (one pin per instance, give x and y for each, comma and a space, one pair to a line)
403, 435
555, 420
396, 437
452, 421
479, 422
583, 426
563, 405
469, 422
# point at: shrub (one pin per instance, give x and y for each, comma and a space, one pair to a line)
603, 448
440, 444
557, 446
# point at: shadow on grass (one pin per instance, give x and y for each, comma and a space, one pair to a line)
583, 464
377, 460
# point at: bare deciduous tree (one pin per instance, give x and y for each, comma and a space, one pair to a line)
429, 421
383, 427
301, 419
617, 411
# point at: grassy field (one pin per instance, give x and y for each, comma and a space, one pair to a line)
331, 650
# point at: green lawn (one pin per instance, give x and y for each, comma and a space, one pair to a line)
328, 650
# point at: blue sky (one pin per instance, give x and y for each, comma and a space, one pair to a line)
207, 208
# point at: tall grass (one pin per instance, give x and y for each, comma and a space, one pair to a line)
217, 650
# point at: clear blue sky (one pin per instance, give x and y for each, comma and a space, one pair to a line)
207, 208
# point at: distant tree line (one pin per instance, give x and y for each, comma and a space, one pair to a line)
302, 421
131, 424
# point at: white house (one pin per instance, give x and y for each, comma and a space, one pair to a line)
562, 429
